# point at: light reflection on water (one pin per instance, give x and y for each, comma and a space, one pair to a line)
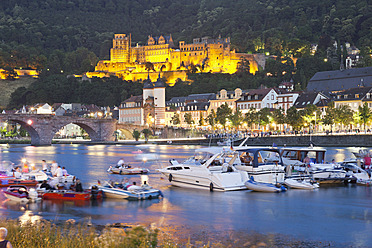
339, 214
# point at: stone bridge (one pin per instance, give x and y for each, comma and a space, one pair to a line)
42, 128
127, 129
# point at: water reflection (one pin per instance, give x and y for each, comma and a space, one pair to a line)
322, 214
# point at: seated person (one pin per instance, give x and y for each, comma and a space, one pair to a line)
45, 185
78, 186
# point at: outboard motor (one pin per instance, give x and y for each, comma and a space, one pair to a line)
94, 192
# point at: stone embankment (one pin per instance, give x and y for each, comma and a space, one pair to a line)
299, 140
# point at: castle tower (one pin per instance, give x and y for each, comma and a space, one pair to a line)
159, 102
120, 51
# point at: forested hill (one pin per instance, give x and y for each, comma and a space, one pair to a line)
47, 25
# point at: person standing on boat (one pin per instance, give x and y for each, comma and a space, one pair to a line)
78, 186
307, 161
54, 167
3, 242
120, 162
44, 165
58, 173
367, 161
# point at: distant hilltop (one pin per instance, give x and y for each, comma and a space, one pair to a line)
161, 55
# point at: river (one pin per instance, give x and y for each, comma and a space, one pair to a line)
341, 215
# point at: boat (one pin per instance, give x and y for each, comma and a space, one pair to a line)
212, 172
20, 193
356, 173
70, 195
300, 184
127, 170
10, 181
118, 191
264, 187
263, 164
315, 168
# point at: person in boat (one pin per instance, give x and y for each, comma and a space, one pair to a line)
78, 186
53, 167
3, 242
126, 184
44, 165
307, 160
45, 185
64, 172
25, 168
367, 161
246, 159
120, 163
17, 173
58, 172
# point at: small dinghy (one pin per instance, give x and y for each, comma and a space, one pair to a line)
296, 184
134, 192
20, 193
127, 170
263, 187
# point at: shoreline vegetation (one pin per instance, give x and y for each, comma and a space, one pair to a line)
43, 233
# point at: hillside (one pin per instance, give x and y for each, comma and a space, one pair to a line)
9, 86
37, 28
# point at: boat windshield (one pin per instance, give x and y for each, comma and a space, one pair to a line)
268, 157
199, 158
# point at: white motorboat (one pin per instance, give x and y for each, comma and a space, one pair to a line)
264, 187
119, 191
356, 173
295, 159
127, 170
213, 173
20, 193
300, 184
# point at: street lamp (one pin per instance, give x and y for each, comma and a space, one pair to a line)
315, 120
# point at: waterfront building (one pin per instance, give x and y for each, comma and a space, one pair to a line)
160, 54
338, 80
131, 111
226, 97
146, 109
307, 98
198, 111
286, 99
257, 99
354, 97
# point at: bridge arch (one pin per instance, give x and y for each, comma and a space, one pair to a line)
42, 128
29, 128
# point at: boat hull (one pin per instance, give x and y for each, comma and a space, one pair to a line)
263, 187
69, 195
16, 197
140, 194
10, 182
295, 184
131, 171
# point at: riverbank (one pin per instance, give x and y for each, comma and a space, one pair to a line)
339, 140
44, 233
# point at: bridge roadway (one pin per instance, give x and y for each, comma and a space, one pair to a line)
43, 127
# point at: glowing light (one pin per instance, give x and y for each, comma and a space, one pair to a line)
29, 122
325, 60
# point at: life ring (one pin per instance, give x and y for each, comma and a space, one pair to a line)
211, 187
170, 178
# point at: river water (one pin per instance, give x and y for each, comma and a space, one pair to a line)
341, 215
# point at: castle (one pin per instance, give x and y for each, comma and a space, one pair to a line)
161, 55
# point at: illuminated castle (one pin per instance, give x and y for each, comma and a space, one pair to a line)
203, 55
